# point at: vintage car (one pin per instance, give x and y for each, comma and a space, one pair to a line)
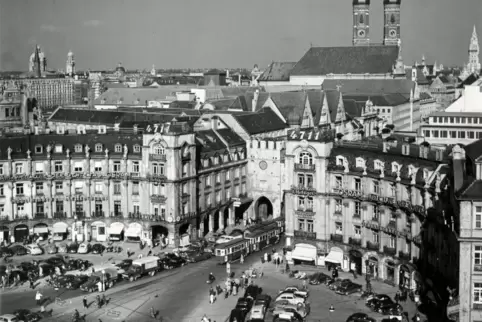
373, 299
339, 283
51, 249
110, 277
244, 304
26, 315
34, 249
318, 278
9, 318
295, 289
349, 288
84, 248
263, 299
72, 248
71, 282
62, 248
124, 264
98, 249
18, 250
257, 312
253, 291
195, 257
360, 317
299, 312
293, 298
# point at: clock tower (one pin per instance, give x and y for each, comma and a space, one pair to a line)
361, 22
391, 31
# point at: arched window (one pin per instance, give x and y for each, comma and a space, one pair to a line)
392, 19
306, 158
98, 147
159, 149
362, 21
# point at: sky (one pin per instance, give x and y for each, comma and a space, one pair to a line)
219, 33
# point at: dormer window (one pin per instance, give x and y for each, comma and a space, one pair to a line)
378, 165
306, 158
58, 148
242, 155
360, 162
118, 148
340, 160
38, 149
137, 148
78, 148
98, 147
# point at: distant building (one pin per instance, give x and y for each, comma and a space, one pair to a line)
215, 77
70, 64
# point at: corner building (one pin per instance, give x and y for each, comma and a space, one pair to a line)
365, 211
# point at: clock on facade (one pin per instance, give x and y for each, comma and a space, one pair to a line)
393, 33
361, 33
263, 165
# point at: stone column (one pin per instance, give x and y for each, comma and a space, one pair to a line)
221, 219
211, 222
231, 216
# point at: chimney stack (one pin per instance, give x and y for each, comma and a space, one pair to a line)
458, 163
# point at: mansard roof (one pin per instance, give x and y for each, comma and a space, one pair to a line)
212, 142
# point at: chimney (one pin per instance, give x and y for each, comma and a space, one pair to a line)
214, 123
458, 163
255, 100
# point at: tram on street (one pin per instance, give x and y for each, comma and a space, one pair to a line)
231, 251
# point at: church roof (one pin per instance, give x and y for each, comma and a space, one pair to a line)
345, 60
277, 71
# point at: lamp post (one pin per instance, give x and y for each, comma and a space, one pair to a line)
103, 280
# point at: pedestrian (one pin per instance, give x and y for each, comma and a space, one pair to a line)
211, 298
84, 301
265, 257
32, 285
38, 297
241, 259
128, 252
140, 256
99, 302
226, 293
104, 300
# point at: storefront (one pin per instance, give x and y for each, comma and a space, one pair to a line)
304, 253
116, 231
78, 231
390, 268
335, 258
356, 261
60, 231
372, 266
20, 233
98, 231
4, 234
134, 232
42, 230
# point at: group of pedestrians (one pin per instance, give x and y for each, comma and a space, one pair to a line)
101, 301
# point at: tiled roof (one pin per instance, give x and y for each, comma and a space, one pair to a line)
474, 149
262, 98
370, 86
379, 100
238, 90
136, 95
473, 191
277, 71
344, 60
225, 104
231, 137
264, 120
21, 144
291, 105
469, 80
86, 116
210, 142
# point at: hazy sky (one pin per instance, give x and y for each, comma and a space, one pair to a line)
218, 33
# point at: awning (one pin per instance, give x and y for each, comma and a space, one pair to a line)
115, 230
60, 229
133, 232
40, 230
304, 254
334, 257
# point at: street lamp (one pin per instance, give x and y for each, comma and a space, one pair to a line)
103, 280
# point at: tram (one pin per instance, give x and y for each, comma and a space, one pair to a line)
231, 251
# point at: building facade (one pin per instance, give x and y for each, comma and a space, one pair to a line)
49, 93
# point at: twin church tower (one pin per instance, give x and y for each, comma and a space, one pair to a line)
361, 22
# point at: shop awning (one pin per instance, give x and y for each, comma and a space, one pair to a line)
60, 229
133, 232
40, 230
115, 230
334, 257
303, 254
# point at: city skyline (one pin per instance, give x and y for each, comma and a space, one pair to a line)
218, 34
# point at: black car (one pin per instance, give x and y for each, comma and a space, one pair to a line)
390, 309
18, 250
253, 291
77, 264
339, 284
263, 299
26, 315
349, 288
168, 263
372, 300
98, 249
56, 261
5, 251
28, 267
244, 304
237, 315
72, 248
76, 282
125, 264
360, 317
379, 306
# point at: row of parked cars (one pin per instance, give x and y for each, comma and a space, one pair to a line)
338, 285
34, 249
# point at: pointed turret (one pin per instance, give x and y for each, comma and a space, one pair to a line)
38, 72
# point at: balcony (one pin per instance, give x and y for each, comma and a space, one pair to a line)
156, 177
354, 241
98, 214
60, 215
117, 214
80, 214
301, 234
373, 246
157, 157
404, 255
40, 215
304, 167
336, 238
389, 250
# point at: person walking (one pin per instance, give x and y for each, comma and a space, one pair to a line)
38, 297
211, 298
104, 300
31, 282
84, 302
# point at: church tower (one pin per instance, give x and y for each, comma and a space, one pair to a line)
70, 64
474, 64
361, 22
391, 29
37, 63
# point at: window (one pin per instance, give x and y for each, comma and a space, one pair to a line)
39, 167
185, 208
301, 224
58, 166
184, 189
158, 168
117, 148
117, 188
376, 187
98, 147
18, 168
309, 226
393, 190
301, 180
58, 148
376, 213
309, 181
158, 149
478, 256
207, 182
228, 194
135, 166
478, 293
78, 148
338, 205
1, 169
135, 208
59, 186
461, 134
218, 178
301, 203
79, 186
185, 169
218, 196
309, 203
116, 166
78, 166
135, 188
306, 158
453, 134
478, 217
236, 172
98, 166
228, 175
378, 165
38, 149
360, 163
338, 182
357, 208
357, 184
2, 191
340, 161
98, 187
137, 148
19, 188
392, 242
339, 228
357, 231
20, 208
375, 237
39, 188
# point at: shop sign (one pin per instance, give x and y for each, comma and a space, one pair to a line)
376, 198
370, 224
303, 191
348, 193
305, 214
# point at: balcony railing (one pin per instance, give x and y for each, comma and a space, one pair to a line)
354, 241
478, 268
40, 215
304, 167
157, 157
389, 250
60, 215
373, 246
80, 214
336, 238
305, 234
305, 209
116, 214
98, 214
404, 255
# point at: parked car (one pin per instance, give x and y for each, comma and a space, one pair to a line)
237, 315
77, 264
98, 249
373, 299
62, 248
84, 248
379, 306
125, 264
55, 261
390, 309
263, 299
63, 281
349, 289
5, 251
244, 304
72, 248
167, 263
257, 312
198, 257
26, 315
360, 317
339, 283
18, 250
297, 311
9, 318
34, 249
51, 249
287, 317
185, 248
253, 291
109, 278
293, 298
296, 289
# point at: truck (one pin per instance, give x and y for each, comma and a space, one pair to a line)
149, 265
108, 277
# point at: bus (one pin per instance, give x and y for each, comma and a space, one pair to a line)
262, 235
231, 251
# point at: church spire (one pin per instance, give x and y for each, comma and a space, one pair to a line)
37, 62
474, 63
